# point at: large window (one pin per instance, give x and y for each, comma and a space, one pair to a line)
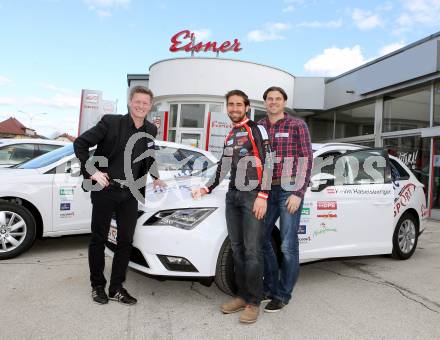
192, 115
215, 108
173, 115
354, 168
437, 103
355, 121
15, 154
321, 126
414, 152
407, 110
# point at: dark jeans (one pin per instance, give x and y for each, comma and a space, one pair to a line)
246, 235
279, 282
105, 202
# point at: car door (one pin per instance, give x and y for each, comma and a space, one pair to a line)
348, 209
72, 208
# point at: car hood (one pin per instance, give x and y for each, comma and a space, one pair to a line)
177, 195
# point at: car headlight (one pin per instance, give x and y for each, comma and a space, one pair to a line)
180, 218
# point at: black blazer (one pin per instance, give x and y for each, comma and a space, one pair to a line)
107, 134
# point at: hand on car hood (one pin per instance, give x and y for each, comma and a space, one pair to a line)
177, 195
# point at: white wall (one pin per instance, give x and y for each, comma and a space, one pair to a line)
215, 77
309, 93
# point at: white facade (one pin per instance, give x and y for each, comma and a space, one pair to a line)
215, 77
187, 90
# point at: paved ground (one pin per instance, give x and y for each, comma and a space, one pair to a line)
45, 294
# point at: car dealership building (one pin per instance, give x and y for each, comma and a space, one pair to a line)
392, 102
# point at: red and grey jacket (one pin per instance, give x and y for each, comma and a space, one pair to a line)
247, 155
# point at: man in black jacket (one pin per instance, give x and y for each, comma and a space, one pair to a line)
114, 187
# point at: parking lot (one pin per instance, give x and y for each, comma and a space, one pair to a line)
45, 294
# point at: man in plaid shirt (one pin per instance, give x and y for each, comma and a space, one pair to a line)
292, 151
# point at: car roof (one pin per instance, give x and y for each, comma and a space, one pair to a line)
186, 147
335, 146
12, 141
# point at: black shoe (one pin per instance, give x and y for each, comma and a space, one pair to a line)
99, 295
266, 298
122, 296
274, 306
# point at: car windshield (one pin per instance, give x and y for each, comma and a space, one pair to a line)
47, 159
208, 172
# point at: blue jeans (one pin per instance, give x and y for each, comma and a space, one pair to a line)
246, 236
279, 281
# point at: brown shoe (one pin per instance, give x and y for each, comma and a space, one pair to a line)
250, 314
235, 305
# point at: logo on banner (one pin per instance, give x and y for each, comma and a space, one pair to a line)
327, 205
92, 98
108, 107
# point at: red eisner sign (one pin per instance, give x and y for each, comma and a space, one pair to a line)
185, 41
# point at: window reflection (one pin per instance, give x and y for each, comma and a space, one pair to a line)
408, 110
355, 121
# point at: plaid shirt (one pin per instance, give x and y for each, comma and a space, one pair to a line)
289, 138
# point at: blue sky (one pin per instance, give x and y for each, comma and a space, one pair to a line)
51, 49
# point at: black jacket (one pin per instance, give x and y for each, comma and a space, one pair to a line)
110, 132
246, 154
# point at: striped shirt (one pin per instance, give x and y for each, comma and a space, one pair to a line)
292, 152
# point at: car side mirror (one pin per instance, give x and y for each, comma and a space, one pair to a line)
321, 181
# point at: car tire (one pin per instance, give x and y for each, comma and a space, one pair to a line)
405, 237
224, 274
23, 236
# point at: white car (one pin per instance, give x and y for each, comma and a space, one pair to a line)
354, 213
43, 197
16, 151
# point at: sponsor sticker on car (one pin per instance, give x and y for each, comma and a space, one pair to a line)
404, 197
327, 205
305, 211
67, 214
66, 193
327, 215
303, 240
64, 206
302, 229
324, 229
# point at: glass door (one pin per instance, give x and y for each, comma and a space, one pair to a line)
191, 138
435, 179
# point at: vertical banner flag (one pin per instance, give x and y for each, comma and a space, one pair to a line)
160, 119
93, 107
90, 110
219, 126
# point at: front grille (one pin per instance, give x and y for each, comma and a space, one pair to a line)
135, 256
139, 214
